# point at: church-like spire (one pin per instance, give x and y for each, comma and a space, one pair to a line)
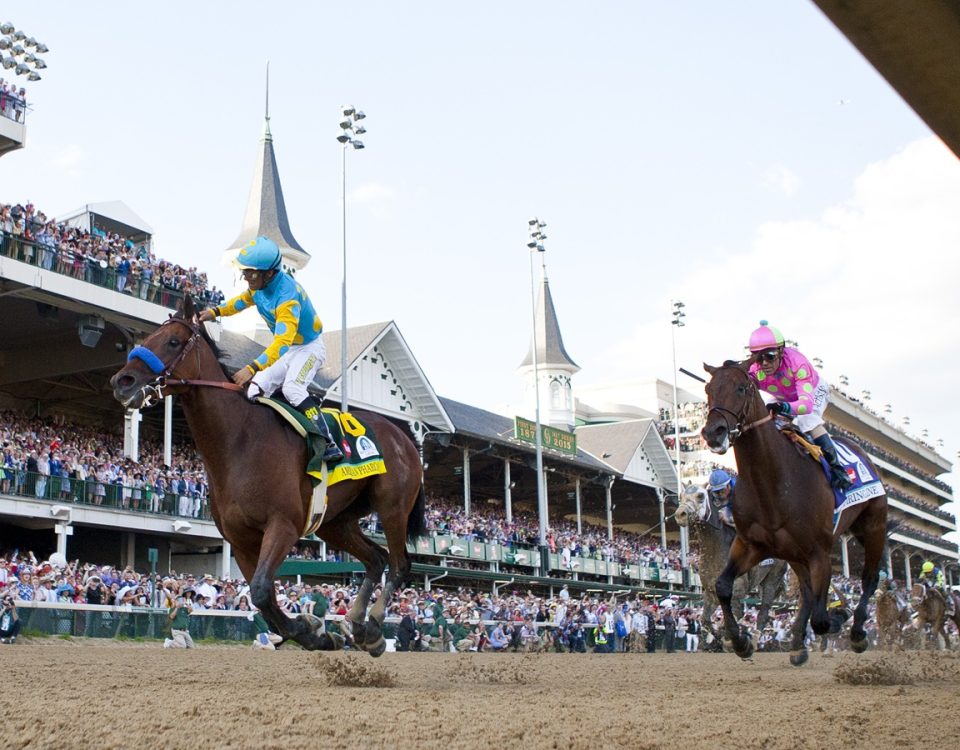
550, 351
266, 212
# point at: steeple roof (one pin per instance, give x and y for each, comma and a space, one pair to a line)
550, 350
266, 212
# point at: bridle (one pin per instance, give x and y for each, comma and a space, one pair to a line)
166, 377
737, 418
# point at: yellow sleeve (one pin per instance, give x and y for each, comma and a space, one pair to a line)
235, 304
284, 333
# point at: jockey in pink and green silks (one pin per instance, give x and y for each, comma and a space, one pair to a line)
798, 392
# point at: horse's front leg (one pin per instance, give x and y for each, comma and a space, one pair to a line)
306, 630
743, 556
798, 646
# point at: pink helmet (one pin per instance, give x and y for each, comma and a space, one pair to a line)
765, 337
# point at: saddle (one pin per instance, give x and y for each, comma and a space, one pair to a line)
362, 456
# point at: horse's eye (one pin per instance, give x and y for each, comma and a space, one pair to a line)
174, 343
741, 389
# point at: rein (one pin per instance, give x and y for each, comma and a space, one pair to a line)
166, 377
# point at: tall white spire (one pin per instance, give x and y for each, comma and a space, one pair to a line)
266, 212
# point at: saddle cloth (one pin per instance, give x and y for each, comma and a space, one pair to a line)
866, 484
362, 456
361, 451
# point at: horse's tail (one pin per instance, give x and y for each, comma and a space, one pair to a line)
416, 521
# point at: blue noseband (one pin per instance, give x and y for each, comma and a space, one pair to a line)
150, 359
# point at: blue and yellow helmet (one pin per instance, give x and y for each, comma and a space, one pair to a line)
262, 254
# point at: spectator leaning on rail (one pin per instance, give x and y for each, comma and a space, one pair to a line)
297, 350
798, 391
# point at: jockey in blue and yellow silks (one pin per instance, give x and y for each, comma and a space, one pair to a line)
297, 350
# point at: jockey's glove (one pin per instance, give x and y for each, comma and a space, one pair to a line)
780, 407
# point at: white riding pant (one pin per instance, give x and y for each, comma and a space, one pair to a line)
293, 372
821, 397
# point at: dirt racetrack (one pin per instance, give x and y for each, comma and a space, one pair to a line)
80, 694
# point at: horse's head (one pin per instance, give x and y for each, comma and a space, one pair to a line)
693, 505
155, 367
732, 399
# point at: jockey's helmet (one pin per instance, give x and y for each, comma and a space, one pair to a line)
765, 337
927, 567
262, 254
718, 480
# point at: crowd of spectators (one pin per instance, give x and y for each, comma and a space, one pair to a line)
99, 257
55, 460
13, 102
488, 523
453, 619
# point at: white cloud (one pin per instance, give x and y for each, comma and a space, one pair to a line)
782, 179
68, 159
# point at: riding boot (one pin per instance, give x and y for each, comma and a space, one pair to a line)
310, 407
839, 479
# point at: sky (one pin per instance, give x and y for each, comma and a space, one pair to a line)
741, 157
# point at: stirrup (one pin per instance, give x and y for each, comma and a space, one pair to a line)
332, 453
839, 479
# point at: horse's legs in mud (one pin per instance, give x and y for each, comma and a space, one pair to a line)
306, 630
741, 589
346, 535
798, 648
399, 570
870, 530
820, 569
742, 557
767, 588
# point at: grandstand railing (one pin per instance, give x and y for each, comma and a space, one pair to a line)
84, 492
77, 265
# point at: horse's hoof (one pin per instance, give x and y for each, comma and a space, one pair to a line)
313, 622
744, 648
359, 634
378, 647
332, 641
837, 620
859, 646
799, 658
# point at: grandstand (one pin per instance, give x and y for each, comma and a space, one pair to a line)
73, 325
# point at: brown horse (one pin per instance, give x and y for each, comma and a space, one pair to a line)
891, 617
783, 507
931, 610
259, 490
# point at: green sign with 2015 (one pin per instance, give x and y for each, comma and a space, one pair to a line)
551, 437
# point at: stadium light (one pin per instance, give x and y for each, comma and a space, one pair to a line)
676, 323
349, 130
535, 238
17, 43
